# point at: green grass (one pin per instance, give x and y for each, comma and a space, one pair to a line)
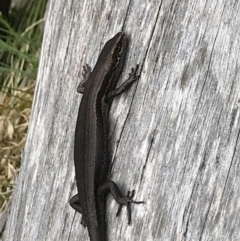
20, 44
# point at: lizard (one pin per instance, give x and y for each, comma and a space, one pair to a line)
91, 138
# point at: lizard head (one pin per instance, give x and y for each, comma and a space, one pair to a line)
113, 52
119, 46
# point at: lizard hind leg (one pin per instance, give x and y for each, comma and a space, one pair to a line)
74, 203
119, 197
128, 201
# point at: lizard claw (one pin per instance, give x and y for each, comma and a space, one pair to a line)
133, 75
127, 200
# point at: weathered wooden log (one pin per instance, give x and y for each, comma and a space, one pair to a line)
174, 135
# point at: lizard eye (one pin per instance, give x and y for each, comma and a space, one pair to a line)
118, 48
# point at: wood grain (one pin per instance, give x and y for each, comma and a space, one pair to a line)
174, 135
